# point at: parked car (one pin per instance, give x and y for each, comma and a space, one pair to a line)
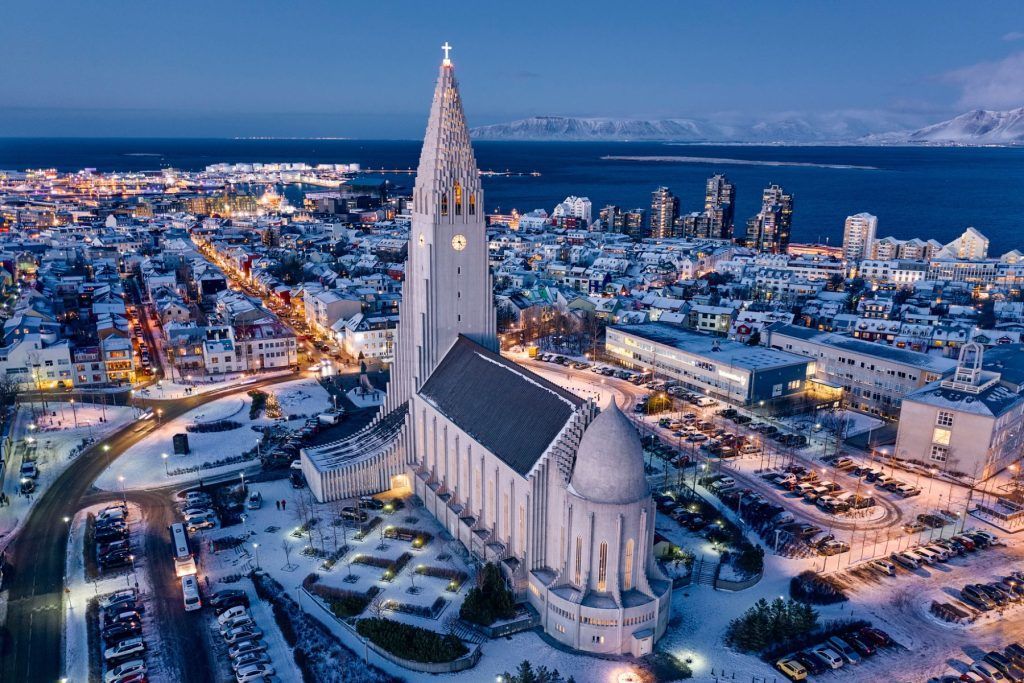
119, 631
250, 659
875, 636
232, 613
236, 635
883, 566
228, 598
254, 672
792, 669
245, 647
812, 662
126, 648
831, 657
121, 671
121, 596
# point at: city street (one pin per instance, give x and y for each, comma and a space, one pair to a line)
36, 556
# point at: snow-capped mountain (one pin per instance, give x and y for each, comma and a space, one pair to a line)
978, 127
574, 128
779, 129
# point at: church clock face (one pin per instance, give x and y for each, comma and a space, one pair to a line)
459, 242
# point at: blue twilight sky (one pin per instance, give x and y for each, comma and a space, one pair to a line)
366, 69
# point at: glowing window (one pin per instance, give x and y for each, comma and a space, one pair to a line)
602, 567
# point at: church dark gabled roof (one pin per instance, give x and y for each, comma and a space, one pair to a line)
507, 409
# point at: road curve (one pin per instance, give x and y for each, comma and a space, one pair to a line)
36, 555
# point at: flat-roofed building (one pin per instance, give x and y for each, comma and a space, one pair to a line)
717, 367
874, 376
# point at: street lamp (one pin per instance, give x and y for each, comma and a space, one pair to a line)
256, 547
74, 412
164, 457
159, 415
124, 498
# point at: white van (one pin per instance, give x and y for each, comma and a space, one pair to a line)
255, 500
190, 593
705, 402
749, 449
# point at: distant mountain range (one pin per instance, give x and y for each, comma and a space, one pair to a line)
978, 127
975, 127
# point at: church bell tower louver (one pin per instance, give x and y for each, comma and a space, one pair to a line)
447, 290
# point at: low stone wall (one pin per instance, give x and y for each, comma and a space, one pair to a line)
727, 585
521, 622
352, 638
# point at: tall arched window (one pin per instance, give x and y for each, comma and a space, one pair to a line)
579, 559
472, 204
602, 567
444, 204
627, 580
458, 199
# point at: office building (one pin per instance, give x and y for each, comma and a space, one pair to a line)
717, 367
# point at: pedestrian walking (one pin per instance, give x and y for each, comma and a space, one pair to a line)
284, 503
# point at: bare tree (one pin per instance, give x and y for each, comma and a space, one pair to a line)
376, 606
287, 547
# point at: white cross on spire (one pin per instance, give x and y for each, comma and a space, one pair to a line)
447, 48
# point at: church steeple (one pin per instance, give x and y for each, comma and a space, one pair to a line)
447, 290
447, 180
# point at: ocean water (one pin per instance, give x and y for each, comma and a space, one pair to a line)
915, 191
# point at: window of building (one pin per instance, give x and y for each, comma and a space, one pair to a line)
560, 628
794, 385
939, 453
944, 419
602, 567
627, 579
579, 560
458, 199
598, 639
941, 436
444, 204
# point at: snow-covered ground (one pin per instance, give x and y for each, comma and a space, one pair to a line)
143, 465
55, 441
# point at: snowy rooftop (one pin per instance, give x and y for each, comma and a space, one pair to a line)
723, 350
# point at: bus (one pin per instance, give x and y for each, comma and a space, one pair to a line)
184, 561
190, 593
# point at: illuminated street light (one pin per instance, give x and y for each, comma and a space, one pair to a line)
164, 457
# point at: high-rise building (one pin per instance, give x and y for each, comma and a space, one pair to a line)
858, 236
769, 229
720, 206
664, 211
634, 222
612, 218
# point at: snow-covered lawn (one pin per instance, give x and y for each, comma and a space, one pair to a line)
167, 389
54, 439
143, 465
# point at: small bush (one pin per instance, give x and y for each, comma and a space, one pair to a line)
411, 642
490, 600
815, 589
